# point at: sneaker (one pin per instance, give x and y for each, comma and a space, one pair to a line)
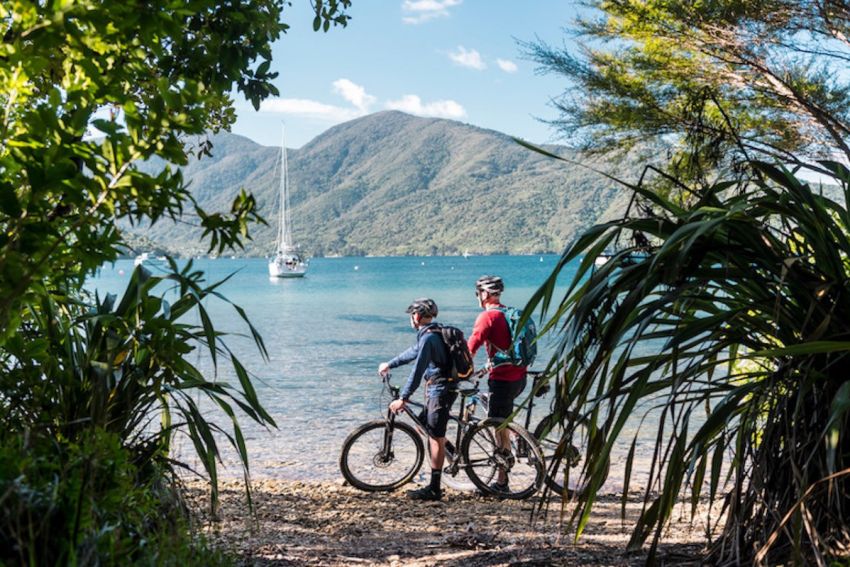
425, 493
495, 490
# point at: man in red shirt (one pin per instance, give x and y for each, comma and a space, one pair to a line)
506, 381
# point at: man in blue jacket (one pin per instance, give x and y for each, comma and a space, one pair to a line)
429, 355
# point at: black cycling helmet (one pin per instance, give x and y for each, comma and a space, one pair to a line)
424, 306
491, 284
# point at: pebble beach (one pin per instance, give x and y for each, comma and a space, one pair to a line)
329, 524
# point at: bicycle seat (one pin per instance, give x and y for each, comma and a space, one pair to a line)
465, 387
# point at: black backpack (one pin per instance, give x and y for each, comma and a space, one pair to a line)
460, 358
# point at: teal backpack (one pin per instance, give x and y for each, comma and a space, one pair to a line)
523, 349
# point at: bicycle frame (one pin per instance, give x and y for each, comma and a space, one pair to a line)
533, 374
376, 448
469, 399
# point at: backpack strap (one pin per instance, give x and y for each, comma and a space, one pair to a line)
504, 352
437, 329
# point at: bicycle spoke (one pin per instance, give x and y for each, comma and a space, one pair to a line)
369, 463
565, 451
521, 464
454, 475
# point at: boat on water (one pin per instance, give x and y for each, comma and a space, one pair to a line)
601, 260
148, 259
287, 261
626, 259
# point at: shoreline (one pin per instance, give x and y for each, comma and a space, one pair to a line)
326, 523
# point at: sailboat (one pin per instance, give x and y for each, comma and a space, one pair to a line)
287, 261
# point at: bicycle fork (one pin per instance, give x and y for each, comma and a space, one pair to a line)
386, 454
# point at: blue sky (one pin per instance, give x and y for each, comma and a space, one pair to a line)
455, 59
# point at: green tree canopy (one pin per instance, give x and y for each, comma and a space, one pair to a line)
720, 77
90, 88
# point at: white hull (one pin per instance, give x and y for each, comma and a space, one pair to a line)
601, 260
146, 259
287, 267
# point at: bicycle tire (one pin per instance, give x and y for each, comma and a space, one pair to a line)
565, 476
365, 465
524, 465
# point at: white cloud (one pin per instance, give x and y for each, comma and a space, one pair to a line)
361, 103
438, 109
468, 58
421, 11
350, 91
309, 109
355, 94
506, 65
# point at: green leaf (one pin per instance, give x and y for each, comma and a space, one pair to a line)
836, 424
9, 204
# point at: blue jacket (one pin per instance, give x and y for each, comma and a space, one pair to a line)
430, 354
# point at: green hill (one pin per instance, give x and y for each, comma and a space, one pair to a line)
394, 184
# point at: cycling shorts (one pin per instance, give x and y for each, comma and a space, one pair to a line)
502, 396
437, 409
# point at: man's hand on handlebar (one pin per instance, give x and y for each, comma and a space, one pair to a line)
383, 369
397, 406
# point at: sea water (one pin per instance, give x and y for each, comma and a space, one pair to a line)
327, 333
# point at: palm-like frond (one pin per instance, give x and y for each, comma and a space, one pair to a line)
735, 328
123, 365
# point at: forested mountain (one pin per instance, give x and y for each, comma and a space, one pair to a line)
394, 184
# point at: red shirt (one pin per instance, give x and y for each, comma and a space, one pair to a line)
491, 328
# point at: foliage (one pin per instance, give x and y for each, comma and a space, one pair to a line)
93, 395
88, 91
118, 366
720, 80
84, 503
732, 330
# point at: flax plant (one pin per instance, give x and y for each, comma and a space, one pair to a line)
123, 366
726, 310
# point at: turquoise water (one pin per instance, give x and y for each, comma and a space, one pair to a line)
326, 335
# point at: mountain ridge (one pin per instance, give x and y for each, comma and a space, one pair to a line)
394, 184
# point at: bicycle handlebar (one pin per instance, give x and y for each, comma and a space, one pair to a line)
394, 390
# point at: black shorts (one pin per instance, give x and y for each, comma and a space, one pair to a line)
502, 396
436, 413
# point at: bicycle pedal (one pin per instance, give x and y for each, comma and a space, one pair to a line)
504, 459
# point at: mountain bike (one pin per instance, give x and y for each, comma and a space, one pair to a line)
563, 441
385, 454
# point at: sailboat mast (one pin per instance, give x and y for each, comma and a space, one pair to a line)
284, 237
286, 230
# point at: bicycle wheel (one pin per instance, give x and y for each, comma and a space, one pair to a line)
565, 450
379, 457
522, 464
454, 472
